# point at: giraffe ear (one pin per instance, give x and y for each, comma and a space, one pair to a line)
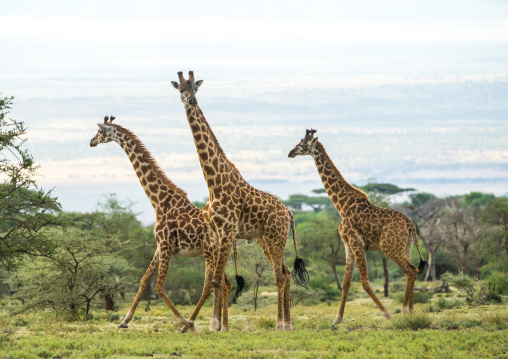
106, 128
198, 83
175, 84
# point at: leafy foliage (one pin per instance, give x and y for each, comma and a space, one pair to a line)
25, 208
67, 281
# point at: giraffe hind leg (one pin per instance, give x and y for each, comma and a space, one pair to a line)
287, 300
401, 255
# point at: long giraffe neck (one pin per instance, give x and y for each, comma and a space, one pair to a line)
211, 155
159, 189
339, 190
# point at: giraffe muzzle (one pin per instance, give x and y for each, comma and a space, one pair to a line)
292, 154
193, 101
93, 143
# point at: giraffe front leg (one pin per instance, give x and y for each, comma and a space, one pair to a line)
207, 289
346, 283
142, 286
220, 267
361, 261
226, 290
161, 278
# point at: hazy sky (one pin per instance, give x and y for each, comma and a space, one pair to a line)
422, 83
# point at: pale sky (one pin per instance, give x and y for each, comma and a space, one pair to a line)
430, 75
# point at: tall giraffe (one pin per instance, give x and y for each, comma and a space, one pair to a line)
179, 228
235, 209
364, 227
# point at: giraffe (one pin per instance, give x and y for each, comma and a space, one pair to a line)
235, 209
179, 228
364, 227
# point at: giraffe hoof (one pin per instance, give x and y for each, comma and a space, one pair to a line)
123, 325
214, 325
183, 330
387, 315
334, 327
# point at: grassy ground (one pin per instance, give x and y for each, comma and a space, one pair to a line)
457, 332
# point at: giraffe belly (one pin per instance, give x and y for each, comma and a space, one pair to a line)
190, 252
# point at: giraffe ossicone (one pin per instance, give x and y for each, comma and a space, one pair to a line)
364, 227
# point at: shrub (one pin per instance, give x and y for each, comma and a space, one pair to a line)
114, 317
415, 321
451, 324
496, 319
448, 304
20, 322
499, 282
471, 323
465, 284
418, 297
266, 323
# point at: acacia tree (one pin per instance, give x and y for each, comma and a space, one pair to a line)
25, 208
320, 238
68, 280
464, 234
426, 210
495, 216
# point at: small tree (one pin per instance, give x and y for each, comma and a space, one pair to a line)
25, 208
67, 281
426, 209
255, 264
320, 238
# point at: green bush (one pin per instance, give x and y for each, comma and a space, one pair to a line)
114, 317
415, 321
499, 282
266, 323
418, 297
464, 283
322, 282
20, 322
470, 323
496, 319
442, 303
451, 324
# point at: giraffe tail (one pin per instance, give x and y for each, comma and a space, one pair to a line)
299, 273
412, 233
240, 282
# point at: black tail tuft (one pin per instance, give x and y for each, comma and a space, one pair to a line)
422, 265
300, 274
240, 283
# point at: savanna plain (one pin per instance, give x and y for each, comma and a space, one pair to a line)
443, 327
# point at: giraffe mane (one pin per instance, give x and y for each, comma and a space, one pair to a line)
151, 160
357, 191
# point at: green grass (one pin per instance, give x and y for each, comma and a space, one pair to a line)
458, 332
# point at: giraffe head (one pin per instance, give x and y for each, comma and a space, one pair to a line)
306, 145
187, 88
106, 133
